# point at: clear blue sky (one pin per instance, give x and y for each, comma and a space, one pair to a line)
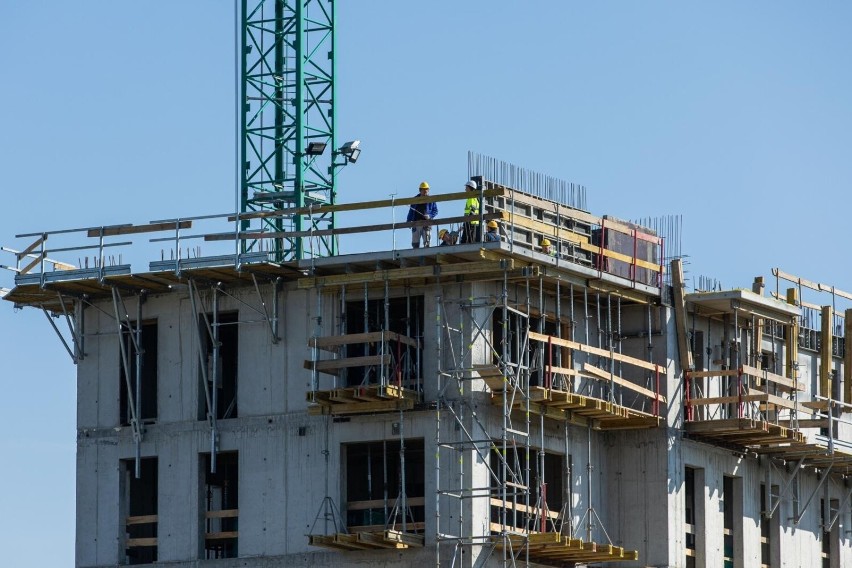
735, 114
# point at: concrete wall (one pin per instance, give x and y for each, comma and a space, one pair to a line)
289, 461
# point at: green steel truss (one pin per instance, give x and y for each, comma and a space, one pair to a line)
288, 93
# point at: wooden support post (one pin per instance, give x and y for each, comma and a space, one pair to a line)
757, 340
847, 357
679, 287
792, 338
826, 336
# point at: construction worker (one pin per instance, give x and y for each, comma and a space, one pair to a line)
472, 233
446, 238
492, 233
421, 212
547, 248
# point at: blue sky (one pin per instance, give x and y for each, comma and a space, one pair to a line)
734, 114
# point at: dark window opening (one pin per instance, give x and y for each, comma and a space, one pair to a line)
227, 365
373, 486
509, 344
689, 510
405, 317
147, 393
537, 508
221, 499
140, 497
765, 530
733, 521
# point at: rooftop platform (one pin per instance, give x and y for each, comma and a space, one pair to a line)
596, 252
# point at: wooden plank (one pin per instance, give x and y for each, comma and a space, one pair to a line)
717, 373
222, 535
495, 502
847, 357
679, 289
546, 229
435, 271
33, 264
404, 537
140, 542
141, 520
352, 338
223, 514
31, 248
622, 257
322, 209
252, 235
791, 339
815, 404
596, 351
825, 351
600, 373
762, 397
376, 540
810, 284
772, 377
418, 526
136, 229
333, 364
362, 407
380, 503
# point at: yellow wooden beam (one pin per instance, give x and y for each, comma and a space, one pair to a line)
679, 288
847, 357
596, 351
337, 208
826, 363
792, 337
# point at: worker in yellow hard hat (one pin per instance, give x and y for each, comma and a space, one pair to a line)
421, 212
492, 233
446, 238
547, 248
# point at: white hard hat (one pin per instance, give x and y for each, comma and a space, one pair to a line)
471, 184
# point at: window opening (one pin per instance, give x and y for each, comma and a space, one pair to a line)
373, 484
523, 511
148, 385
733, 521
689, 515
368, 317
227, 366
221, 506
140, 498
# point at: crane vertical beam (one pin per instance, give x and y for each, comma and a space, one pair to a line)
289, 155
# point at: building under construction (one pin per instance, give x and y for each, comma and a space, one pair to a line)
478, 404
249, 396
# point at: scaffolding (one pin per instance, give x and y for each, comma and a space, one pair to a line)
524, 342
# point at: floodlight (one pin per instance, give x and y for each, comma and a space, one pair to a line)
315, 148
351, 150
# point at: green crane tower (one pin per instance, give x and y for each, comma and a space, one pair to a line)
289, 155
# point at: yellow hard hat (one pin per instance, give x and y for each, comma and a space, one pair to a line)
424, 185
492, 224
441, 233
545, 243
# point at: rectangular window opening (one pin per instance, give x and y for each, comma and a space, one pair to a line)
732, 510
689, 513
373, 486
221, 506
406, 317
537, 509
140, 506
147, 391
223, 366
